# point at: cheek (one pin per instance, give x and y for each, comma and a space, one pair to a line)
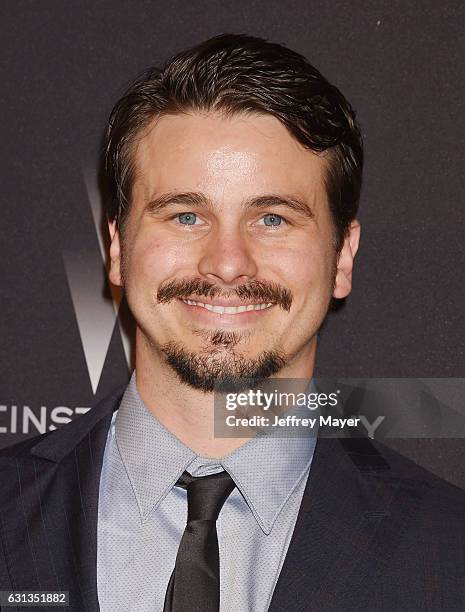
154, 259
304, 268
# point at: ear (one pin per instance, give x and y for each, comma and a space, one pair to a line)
345, 263
115, 254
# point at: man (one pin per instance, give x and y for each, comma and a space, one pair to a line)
234, 175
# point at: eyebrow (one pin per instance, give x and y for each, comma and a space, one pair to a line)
199, 200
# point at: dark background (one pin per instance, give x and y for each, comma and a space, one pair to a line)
400, 64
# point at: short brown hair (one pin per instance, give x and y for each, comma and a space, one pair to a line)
231, 74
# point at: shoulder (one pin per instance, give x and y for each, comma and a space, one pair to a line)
54, 444
440, 498
22, 449
376, 472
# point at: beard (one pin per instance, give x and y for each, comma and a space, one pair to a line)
217, 366
220, 368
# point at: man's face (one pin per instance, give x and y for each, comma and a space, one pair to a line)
227, 213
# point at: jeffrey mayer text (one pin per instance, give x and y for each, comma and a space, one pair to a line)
291, 420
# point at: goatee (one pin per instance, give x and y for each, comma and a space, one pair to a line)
213, 370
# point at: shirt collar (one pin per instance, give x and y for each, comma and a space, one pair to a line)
153, 457
266, 469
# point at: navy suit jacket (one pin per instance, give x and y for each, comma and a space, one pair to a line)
374, 532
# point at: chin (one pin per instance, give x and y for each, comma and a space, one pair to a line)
204, 370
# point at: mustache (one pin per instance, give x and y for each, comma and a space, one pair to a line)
260, 291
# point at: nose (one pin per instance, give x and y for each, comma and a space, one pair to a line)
227, 257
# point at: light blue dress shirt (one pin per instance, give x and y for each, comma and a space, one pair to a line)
142, 515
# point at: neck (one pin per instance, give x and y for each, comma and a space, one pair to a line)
188, 413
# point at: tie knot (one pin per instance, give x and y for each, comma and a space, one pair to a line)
206, 494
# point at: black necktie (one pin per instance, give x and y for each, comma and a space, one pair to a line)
194, 585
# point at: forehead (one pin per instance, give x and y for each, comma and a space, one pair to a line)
225, 157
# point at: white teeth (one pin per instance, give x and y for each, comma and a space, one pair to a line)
219, 309
228, 309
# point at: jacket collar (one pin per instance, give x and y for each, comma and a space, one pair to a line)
49, 506
355, 511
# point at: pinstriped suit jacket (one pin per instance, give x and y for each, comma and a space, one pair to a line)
375, 531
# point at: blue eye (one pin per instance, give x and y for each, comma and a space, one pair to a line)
187, 218
272, 220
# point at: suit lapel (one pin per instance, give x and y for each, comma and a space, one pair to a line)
49, 518
353, 515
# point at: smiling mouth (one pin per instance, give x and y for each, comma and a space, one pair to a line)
229, 309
